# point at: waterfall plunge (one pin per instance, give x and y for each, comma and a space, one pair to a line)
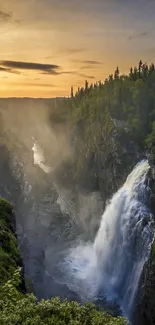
39, 158
112, 265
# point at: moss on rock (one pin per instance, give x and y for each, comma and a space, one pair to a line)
9, 254
153, 254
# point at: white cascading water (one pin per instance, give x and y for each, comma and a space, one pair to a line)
112, 265
39, 159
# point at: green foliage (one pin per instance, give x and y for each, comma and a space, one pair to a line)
9, 253
150, 143
126, 97
153, 254
129, 98
19, 308
16, 308
9, 292
5, 206
92, 110
122, 106
150, 139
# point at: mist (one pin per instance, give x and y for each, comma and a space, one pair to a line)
52, 215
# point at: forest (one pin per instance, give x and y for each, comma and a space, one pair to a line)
130, 99
122, 108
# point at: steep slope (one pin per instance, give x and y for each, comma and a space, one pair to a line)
10, 258
145, 310
16, 307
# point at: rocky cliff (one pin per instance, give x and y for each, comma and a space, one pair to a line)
43, 219
145, 309
145, 306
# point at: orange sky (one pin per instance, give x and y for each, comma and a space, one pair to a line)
48, 45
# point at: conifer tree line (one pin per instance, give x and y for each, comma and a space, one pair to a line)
129, 98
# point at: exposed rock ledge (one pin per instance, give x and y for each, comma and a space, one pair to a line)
145, 306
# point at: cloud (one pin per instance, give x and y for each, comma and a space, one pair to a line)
138, 35
92, 62
88, 67
35, 84
77, 73
8, 16
5, 16
2, 69
69, 72
85, 76
89, 63
18, 21
72, 50
49, 57
66, 51
9, 66
48, 69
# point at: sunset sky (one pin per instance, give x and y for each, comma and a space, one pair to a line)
48, 45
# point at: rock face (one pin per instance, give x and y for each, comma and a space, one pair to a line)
145, 309
45, 220
44, 224
9, 187
145, 306
52, 211
113, 167
105, 167
152, 183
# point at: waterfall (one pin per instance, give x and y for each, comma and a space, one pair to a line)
39, 159
112, 265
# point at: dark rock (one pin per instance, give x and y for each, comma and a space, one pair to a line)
144, 313
145, 306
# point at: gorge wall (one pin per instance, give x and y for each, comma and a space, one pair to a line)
55, 208
145, 307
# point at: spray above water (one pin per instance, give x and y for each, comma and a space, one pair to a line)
39, 158
113, 264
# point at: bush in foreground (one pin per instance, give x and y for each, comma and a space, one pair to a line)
17, 308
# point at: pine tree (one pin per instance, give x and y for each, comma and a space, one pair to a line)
131, 72
145, 70
140, 67
72, 92
110, 77
86, 85
151, 68
135, 73
116, 73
